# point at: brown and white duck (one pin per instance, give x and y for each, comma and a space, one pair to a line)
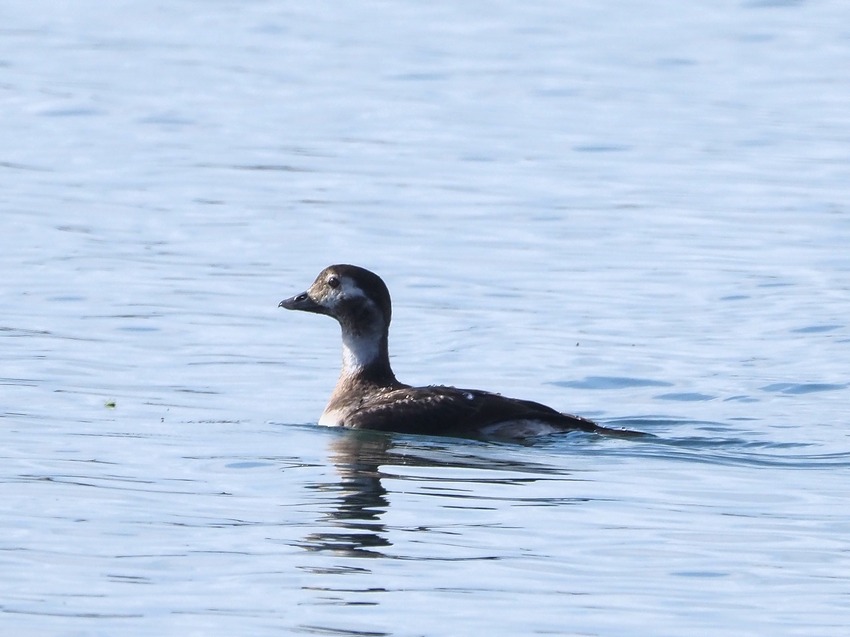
368, 395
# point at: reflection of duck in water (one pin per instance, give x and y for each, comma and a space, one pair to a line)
352, 523
368, 396
361, 499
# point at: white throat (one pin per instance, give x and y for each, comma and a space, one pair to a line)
358, 352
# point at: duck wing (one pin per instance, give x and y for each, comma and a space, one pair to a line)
440, 410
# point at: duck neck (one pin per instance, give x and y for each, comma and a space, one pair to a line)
365, 357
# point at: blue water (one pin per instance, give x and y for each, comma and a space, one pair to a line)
636, 212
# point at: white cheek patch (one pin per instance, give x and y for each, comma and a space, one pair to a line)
347, 291
350, 290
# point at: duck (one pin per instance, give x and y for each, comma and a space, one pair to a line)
369, 396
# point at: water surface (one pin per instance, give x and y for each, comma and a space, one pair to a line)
633, 213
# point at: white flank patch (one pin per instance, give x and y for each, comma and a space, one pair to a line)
520, 429
331, 418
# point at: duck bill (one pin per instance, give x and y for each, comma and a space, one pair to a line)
302, 302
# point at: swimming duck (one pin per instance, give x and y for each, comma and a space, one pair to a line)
368, 395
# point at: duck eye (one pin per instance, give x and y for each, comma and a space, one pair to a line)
333, 282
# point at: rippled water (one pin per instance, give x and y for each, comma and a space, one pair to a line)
634, 213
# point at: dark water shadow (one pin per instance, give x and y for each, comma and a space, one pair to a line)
358, 500
364, 460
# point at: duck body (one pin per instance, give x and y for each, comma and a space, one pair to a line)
440, 410
368, 395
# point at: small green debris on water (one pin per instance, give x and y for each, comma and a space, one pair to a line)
110, 404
